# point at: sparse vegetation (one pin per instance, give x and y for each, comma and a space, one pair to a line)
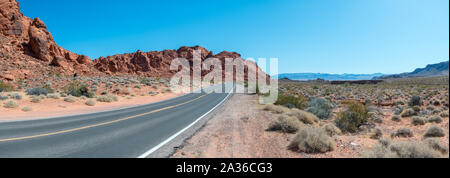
289, 101
403, 132
286, 124
320, 107
107, 98
312, 140
10, 104
79, 89
352, 118
418, 121
434, 131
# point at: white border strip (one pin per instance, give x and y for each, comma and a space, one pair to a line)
146, 154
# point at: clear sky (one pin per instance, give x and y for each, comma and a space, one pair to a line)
328, 36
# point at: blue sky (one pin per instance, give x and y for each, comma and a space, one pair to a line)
328, 36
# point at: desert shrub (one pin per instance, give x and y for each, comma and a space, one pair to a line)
396, 118
5, 87
16, 96
436, 145
35, 100
403, 132
413, 150
444, 114
379, 151
10, 104
331, 130
320, 107
418, 121
107, 98
312, 140
90, 102
402, 150
434, 131
275, 109
70, 99
53, 95
377, 134
416, 109
289, 101
303, 116
415, 101
27, 109
435, 119
3, 97
285, 124
352, 118
408, 112
385, 141
78, 89
43, 90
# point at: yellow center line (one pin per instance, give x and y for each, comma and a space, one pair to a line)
96, 125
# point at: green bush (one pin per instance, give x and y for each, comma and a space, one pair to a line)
5, 87
299, 102
312, 140
351, 119
320, 107
37, 91
78, 89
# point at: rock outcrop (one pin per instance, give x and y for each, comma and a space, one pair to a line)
27, 39
157, 63
27, 50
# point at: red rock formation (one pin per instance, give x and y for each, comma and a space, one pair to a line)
25, 38
27, 42
157, 63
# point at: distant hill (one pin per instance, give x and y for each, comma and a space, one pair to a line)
330, 77
432, 70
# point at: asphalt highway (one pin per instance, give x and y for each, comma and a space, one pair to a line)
125, 133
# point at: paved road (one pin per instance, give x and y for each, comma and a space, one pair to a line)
126, 133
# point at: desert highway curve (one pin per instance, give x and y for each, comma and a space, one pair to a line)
125, 133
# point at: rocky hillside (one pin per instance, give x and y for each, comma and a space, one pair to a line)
27, 50
432, 70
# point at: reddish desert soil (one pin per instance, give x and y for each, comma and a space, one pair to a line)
58, 107
238, 131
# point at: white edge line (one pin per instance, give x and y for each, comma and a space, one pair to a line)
146, 154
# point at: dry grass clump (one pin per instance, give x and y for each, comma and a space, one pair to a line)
410, 149
331, 130
70, 99
276, 109
107, 98
10, 104
396, 118
408, 112
27, 109
418, 121
285, 124
403, 132
377, 134
435, 119
436, 145
35, 99
303, 116
312, 140
434, 131
53, 96
90, 102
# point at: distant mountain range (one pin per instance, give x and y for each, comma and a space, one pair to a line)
325, 76
432, 70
